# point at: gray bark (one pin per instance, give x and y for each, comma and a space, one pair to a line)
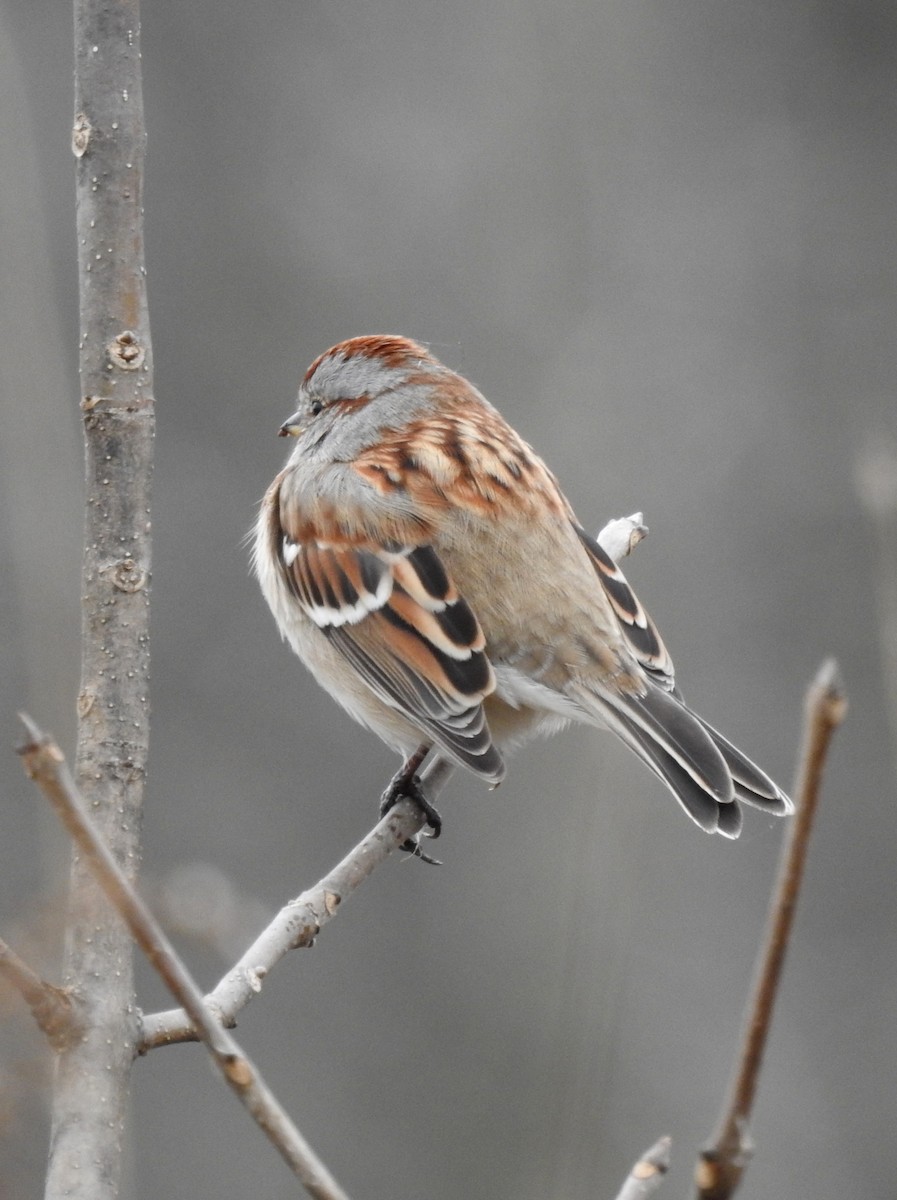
91, 1087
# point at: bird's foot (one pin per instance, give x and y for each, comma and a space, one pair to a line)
406, 785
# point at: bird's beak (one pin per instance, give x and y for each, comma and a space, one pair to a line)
290, 427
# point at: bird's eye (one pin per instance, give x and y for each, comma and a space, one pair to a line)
316, 406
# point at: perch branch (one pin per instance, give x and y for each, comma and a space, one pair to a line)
721, 1164
50, 1006
298, 922
45, 764
647, 1174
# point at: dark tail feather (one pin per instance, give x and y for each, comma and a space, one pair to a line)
730, 819
703, 770
702, 807
679, 733
752, 785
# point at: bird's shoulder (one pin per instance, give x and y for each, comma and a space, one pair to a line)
462, 457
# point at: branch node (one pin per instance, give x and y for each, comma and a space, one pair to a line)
827, 693
53, 1008
304, 938
54, 1013
656, 1161
39, 752
238, 1071
255, 976
645, 1177
718, 1173
81, 135
126, 351
128, 577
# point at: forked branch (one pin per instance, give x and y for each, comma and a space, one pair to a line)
44, 763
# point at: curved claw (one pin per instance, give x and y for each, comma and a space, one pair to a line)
406, 785
413, 850
409, 788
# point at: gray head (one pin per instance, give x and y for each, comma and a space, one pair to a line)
378, 382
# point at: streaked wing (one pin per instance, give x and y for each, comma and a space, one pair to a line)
639, 630
396, 616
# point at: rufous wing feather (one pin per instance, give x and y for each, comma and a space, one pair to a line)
396, 616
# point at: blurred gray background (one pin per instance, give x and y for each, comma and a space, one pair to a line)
660, 237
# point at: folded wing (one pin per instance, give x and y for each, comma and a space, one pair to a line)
396, 616
640, 632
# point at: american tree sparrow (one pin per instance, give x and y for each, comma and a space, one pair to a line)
425, 566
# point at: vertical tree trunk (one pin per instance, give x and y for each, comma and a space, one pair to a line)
91, 1088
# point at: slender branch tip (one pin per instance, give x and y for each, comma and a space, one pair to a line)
722, 1162
827, 691
655, 1161
647, 1174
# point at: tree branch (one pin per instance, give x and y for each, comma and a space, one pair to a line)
300, 921
647, 1174
722, 1163
90, 1090
44, 763
50, 1006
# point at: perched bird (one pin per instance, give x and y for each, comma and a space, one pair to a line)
423, 563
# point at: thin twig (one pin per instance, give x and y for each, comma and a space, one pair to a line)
721, 1164
50, 1006
299, 922
294, 927
44, 763
647, 1174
